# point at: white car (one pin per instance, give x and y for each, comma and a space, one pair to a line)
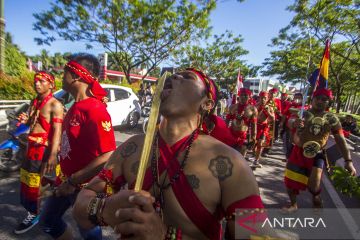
123, 105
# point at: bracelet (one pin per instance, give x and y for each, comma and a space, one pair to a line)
101, 211
92, 210
94, 207
348, 160
173, 233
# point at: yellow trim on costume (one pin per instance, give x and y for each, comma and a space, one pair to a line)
296, 176
30, 179
109, 190
57, 170
39, 140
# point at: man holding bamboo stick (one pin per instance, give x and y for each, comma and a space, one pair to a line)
192, 180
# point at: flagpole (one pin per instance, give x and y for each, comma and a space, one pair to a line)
237, 82
308, 66
318, 76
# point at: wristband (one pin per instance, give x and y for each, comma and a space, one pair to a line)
95, 206
348, 160
92, 210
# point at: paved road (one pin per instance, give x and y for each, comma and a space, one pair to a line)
273, 193
269, 177
11, 211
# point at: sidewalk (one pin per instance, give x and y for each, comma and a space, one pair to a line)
274, 195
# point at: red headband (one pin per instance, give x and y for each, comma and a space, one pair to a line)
244, 91
95, 88
325, 92
273, 90
263, 94
209, 84
44, 76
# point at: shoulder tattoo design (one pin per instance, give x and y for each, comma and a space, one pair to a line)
193, 181
221, 167
128, 149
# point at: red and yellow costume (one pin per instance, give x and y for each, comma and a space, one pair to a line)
37, 150
263, 127
298, 168
241, 120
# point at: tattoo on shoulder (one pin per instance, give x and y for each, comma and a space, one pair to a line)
135, 167
128, 149
193, 181
221, 167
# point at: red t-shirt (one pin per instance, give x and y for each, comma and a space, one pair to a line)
87, 133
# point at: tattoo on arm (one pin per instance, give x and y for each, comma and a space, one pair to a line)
221, 167
128, 150
193, 181
135, 167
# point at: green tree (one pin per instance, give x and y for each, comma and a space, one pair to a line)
219, 58
294, 59
336, 20
143, 31
15, 60
45, 59
333, 19
58, 60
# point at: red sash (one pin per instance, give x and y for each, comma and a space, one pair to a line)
221, 132
188, 200
192, 206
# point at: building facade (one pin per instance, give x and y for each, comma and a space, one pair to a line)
256, 85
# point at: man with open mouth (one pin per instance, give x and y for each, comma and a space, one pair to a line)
192, 180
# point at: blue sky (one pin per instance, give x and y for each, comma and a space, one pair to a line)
256, 20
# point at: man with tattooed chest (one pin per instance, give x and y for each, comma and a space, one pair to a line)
243, 117
305, 166
192, 180
265, 116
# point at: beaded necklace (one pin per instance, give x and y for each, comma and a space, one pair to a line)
159, 199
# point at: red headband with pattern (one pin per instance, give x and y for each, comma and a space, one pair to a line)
244, 91
273, 90
325, 92
96, 90
263, 94
209, 83
44, 76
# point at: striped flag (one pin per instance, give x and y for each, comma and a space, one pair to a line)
322, 74
239, 82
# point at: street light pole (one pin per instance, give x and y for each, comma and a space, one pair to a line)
2, 36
